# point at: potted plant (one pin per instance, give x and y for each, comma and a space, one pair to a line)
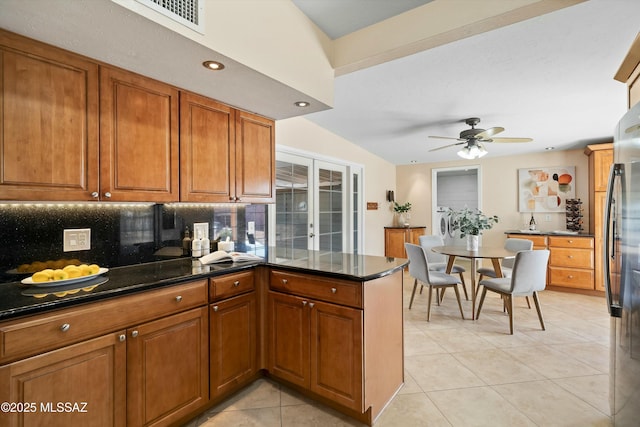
471, 223
403, 213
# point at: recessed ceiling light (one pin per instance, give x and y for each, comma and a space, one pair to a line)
213, 65
550, 148
301, 104
413, 161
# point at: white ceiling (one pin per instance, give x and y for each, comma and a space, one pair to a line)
549, 78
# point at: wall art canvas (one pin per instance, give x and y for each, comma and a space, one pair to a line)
545, 189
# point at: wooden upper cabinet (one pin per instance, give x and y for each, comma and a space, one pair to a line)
207, 145
139, 151
48, 123
255, 159
629, 73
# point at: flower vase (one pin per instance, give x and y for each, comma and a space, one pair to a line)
472, 242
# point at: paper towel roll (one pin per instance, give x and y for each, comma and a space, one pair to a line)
226, 246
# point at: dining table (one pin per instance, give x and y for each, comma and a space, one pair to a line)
494, 253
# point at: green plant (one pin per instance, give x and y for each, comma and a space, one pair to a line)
401, 208
471, 222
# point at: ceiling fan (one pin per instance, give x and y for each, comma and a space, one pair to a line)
473, 139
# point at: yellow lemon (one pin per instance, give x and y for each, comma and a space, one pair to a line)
85, 269
94, 268
60, 274
40, 276
73, 271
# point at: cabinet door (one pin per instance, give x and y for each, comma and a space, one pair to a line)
394, 239
337, 353
603, 160
167, 368
415, 235
233, 342
255, 158
288, 338
207, 150
138, 138
90, 374
48, 123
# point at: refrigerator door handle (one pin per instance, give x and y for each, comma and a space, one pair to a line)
609, 239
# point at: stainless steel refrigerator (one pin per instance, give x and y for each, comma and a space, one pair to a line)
622, 270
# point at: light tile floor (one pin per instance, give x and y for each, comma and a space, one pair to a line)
470, 373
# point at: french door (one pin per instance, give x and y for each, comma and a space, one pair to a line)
317, 205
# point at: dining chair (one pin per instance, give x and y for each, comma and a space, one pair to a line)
513, 245
419, 270
528, 277
438, 262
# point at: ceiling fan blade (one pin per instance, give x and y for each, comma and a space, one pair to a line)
509, 140
489, 133
446, 137
447, 146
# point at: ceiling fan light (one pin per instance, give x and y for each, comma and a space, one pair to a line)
471, 152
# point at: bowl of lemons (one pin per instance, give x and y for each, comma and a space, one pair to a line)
71, 273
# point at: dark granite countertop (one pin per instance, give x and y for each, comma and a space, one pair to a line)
17, 299
550, 233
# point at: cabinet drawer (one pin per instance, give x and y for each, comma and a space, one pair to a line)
571, 278
330, 290
538, 241
576, 258
44, 332
571, 242
230, 285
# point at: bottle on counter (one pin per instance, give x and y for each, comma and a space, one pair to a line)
196, 247
532, 223
206, 246
186, 242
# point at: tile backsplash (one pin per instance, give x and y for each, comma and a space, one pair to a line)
121, 234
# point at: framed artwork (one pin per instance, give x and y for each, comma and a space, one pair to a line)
545, 189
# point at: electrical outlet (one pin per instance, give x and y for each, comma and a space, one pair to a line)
251, 227
547, 217
78, 239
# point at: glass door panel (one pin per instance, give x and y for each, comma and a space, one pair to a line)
294, 204
331, 210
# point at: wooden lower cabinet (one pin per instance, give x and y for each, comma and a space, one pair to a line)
90, 376
233, 343
167, 368
318, 346
396, 237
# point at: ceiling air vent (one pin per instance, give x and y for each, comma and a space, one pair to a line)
187, 12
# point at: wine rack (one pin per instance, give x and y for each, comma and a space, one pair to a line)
574, 214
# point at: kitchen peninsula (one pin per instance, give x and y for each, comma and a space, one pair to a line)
158, 343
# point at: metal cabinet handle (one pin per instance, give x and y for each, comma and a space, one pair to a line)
134, 334
334, 290
570, 241
311, 304
179, 298
570, 256
215, 308
107, 195
122, 337
236, 283
570, 276
285, 281
95, 194
65, 327
304, 303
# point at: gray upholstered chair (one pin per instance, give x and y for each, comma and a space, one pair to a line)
513, 245
528, 277
438, 262
419, 270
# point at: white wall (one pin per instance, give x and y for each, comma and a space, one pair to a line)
499, 193
379, 175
